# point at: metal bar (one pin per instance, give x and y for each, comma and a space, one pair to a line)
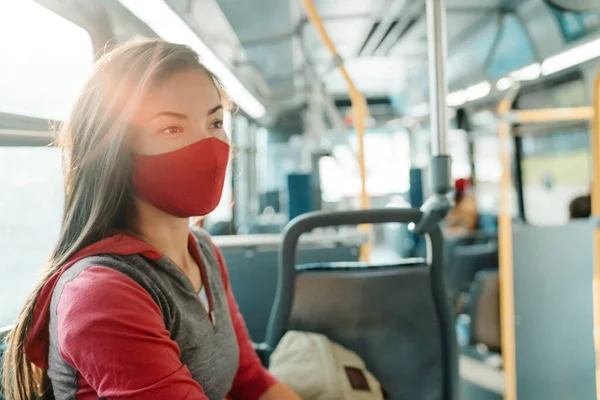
27, 133
595, 143
438, 85
438, 204
396, 33
379, 34
506, 268
518, 159
93, 17
543, 115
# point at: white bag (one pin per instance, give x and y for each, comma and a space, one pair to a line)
318, 369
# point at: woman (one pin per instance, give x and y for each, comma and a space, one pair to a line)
132, 305
464, 216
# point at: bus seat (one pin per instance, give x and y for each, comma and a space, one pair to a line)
455, 241
256, 267
383, 313
485, 310
466, 262
396, 317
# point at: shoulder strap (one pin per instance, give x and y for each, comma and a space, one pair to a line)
206, 247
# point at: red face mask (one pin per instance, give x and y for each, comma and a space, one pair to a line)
186, 182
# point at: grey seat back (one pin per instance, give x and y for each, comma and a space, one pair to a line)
466, 261
253, 278
485, 310
396, 317
385, 315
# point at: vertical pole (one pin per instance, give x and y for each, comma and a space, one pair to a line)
505, 244
253, 196
518, 159
438, 85
241, 193
438, 204
596, 215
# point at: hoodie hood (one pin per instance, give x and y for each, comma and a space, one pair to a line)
38, 342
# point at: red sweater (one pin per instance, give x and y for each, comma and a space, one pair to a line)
105, 315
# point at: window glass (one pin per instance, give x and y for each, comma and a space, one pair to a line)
45, 60
31, 206
387, 164
458, 146
556, 169
488, 166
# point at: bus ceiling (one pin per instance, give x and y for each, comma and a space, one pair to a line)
382, 49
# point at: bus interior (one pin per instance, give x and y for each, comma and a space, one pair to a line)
359, 127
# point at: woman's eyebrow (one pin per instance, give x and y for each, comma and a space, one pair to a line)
183, 116
170, 114
215, 109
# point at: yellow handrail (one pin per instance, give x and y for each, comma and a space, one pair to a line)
505, 252
551, 115
595, 142
359, 109
508, 117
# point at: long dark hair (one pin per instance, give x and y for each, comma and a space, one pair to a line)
97, 162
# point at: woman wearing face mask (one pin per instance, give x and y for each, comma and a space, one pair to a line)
133, 305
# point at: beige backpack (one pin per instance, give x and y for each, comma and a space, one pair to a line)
318, 369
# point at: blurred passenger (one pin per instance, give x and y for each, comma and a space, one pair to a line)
463, 217
134, 305
580, 207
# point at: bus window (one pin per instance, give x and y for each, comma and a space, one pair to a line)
556, 165
387, 163
556, 169
31, 203
458, 144
45, 60
489, 170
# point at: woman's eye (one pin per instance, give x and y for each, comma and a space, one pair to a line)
171, 130
218, 124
